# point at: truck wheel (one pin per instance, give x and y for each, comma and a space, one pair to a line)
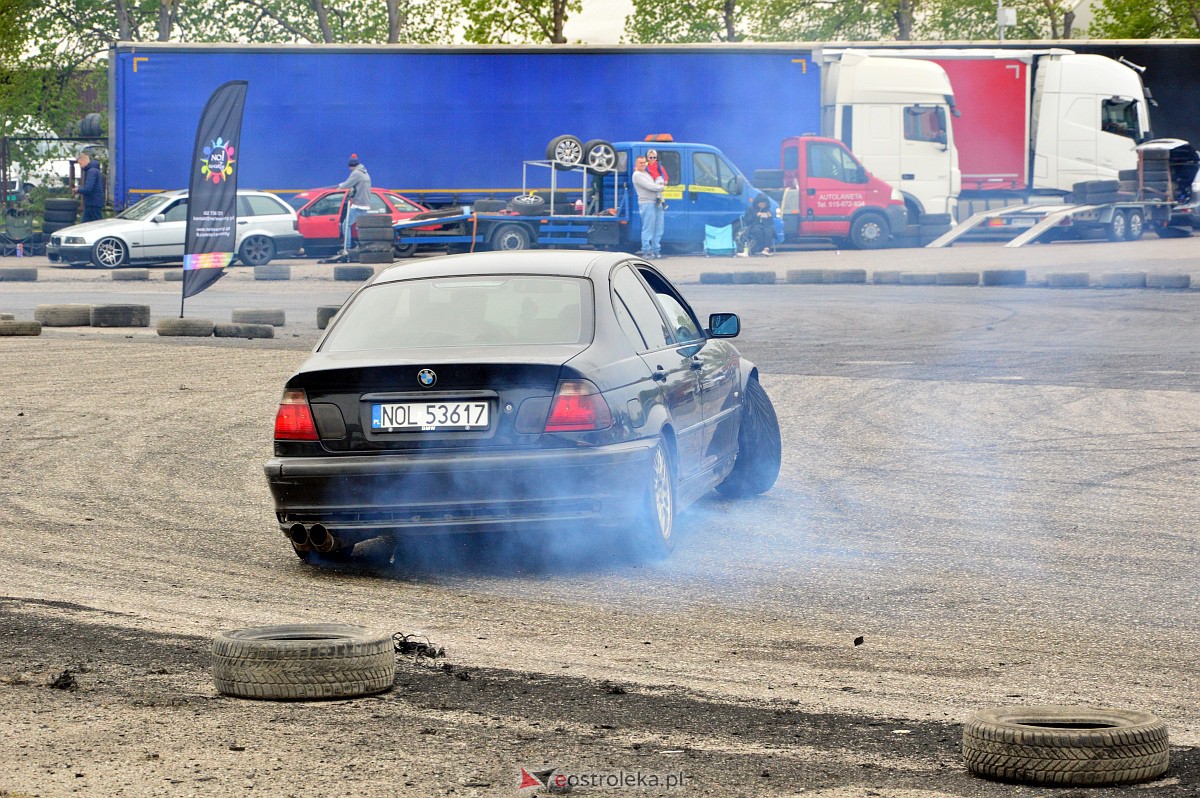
110, 253
1135, 225
404, 250
257, 251
869, 231
565, 151
1117, 227
599, 156
510, 238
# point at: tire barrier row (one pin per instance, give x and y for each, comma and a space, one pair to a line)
988, 277
244, 322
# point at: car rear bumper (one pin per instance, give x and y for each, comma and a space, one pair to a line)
421, 493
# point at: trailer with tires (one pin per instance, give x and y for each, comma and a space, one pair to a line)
591, 203
1158, 196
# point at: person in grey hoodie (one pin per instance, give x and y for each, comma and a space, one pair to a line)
359, 200
650, 207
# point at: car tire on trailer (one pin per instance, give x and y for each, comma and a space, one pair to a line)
1118, 227
760, 447
1062, 745
654, 531
303, 661
110, 253
599, 156
489, 205
1135, 224
565, 151
511, 238
869, 231
528, 204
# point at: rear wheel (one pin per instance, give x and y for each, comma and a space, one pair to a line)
510, 238
257, 251
760, 449
1135, 225
404, 250
656, 526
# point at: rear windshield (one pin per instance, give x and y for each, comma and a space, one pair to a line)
496, 310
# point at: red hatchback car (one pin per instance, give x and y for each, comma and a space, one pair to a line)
321, 210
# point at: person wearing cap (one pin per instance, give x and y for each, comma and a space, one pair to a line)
91, 188
358, 200
650, 207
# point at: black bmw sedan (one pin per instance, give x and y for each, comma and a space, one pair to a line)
496, 391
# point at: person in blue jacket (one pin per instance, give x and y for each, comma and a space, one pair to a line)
91, 188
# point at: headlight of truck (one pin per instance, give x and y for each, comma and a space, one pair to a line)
73, 240
897, 196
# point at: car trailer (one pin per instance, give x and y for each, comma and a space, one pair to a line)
1119, 221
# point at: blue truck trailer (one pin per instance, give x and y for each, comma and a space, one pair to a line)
446, 125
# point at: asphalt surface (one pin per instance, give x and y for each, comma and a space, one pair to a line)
995, 488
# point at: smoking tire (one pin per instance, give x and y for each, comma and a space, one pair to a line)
63, 315
120, 316
760, 447
20, 328
1062, 745
193, 328
654, 533
276, 317
303, 661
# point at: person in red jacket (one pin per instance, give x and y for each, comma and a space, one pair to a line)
655, 167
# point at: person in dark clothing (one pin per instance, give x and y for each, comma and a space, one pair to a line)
91, 188
758, 227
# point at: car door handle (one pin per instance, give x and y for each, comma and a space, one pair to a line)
696, 364
242, 221
659, 374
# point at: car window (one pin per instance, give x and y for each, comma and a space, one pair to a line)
177, 212
649, 321
498, 310
401, 204
258, 205
684, 326
625, 320
377, 204
145, 209
329, 205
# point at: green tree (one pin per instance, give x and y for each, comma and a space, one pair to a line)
1125, 19
684, 21
516, 21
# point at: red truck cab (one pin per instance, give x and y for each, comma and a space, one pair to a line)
828, 193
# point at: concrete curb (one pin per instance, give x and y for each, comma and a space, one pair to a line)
273, 271
1068, 280
272, 316
121, 275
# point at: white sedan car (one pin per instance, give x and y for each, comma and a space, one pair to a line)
153, 229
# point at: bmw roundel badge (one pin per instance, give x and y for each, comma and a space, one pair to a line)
426, 377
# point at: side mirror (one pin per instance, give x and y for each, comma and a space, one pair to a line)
159, 219
739, 185
724, 325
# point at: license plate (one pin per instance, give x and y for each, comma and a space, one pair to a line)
430, 416
1019, 222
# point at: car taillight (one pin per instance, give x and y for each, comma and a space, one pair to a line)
294, 419
578, 407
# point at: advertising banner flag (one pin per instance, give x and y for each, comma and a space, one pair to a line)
212, 190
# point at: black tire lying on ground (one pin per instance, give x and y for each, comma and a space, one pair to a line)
373, 221
1065, 745
237, 330
303, 661
195, 328
20, 328
126, 275
354, 273
760, 448
120, 316
19, 274
63, 315
273, 316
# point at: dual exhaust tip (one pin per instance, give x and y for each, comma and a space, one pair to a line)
316, 538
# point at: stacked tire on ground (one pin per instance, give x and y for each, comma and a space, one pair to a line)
375, 238
59, 212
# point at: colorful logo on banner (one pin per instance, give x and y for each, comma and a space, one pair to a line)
208, 260
217, 163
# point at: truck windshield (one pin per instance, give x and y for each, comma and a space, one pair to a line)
925, 123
